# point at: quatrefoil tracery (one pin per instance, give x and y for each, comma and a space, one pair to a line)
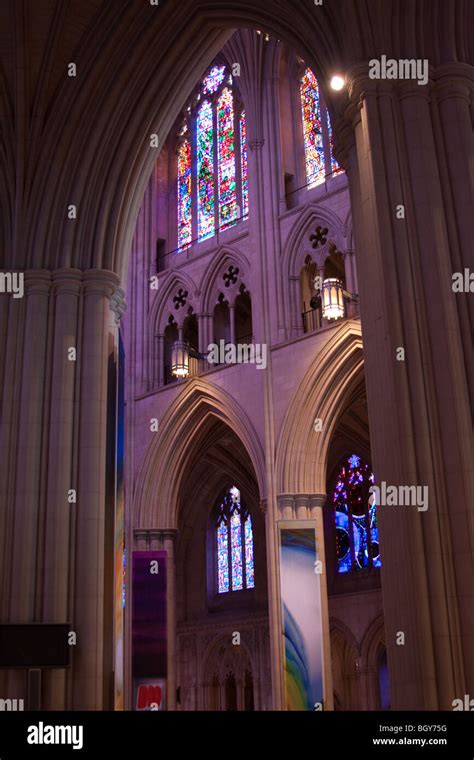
319, 236
231, 276
180, 298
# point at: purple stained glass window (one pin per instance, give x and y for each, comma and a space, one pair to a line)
212, 184
184, 195
244, 164
213, 80
312, 129
234, 538
205, 171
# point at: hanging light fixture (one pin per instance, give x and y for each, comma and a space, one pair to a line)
181, 351
180, 359
332, 298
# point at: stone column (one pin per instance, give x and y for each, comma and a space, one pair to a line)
88, 675
29, 448
351, 281
232, 323
23, 500
453, 130
408, 243
169, 545
295, 307
141, 540
202, 338
59, 511
301, 507
159, 371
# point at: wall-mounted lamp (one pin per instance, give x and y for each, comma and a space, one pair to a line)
333, 297
181, 352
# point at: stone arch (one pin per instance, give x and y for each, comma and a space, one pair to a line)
295, 252
348, 232
301, 459
158, 482
224, 257
372, 646
222, 657
163, 304
345, 658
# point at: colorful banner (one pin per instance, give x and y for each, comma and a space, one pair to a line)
300, 586
149, 694
119, 535
149, 632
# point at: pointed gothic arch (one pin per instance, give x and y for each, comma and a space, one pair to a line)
198, 405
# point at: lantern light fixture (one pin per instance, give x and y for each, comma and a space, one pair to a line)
180, 359
181, 352
333, 296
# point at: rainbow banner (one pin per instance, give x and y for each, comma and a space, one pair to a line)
302, 627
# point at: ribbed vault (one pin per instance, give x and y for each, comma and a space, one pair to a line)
88, 137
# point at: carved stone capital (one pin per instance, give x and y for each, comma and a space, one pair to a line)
118, 304
67, 281
100, 281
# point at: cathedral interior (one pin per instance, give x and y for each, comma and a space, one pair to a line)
236, 376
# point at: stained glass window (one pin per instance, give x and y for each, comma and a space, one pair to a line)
226, 156
335, 168
249, 565
317, 133
244, 164
312, 129
234, 545
184, 195
223, 557
213, 190
213, 80
205, 170
357, 535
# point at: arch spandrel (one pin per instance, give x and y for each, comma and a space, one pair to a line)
302, 453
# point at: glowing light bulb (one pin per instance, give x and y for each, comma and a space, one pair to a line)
337, 82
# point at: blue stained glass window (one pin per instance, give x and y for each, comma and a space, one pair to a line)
357, 536
234, 538
236, 533
223, 557
335, 168
249, 566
